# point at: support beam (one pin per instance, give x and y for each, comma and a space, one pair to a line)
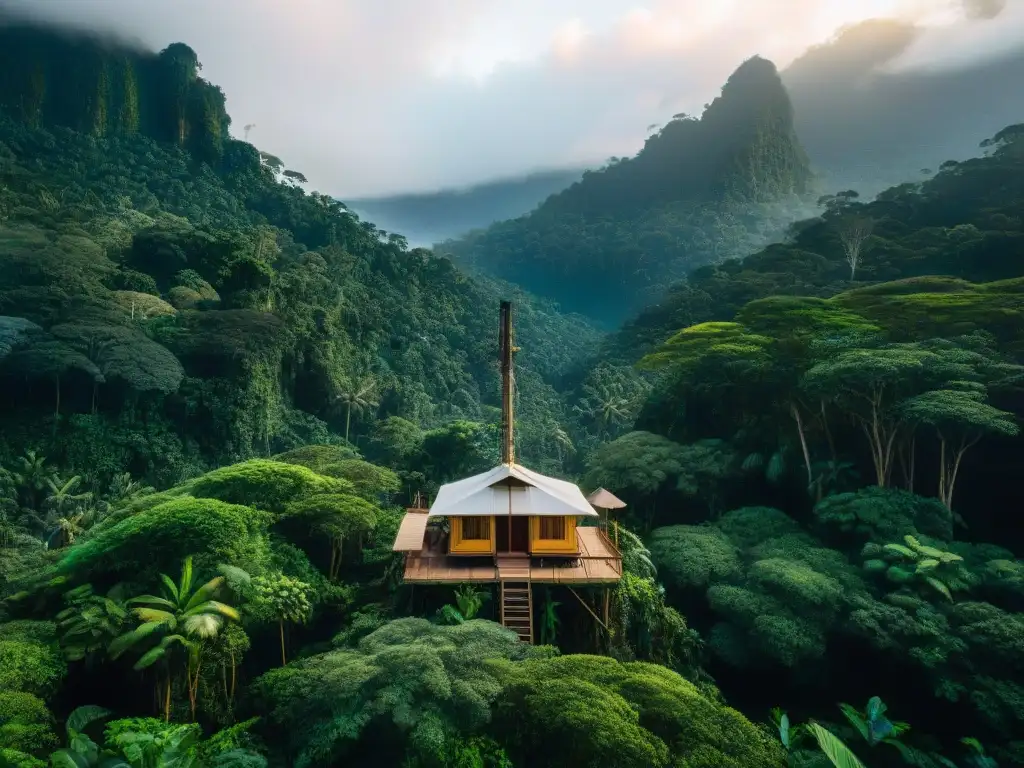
589, 609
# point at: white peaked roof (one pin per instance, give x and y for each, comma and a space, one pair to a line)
486, 494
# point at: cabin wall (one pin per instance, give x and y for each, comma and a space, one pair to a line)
541, 536
460, 544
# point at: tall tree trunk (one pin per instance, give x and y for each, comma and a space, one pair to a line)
167, 700
192, 679
795, 413
348, 419
280, 624
907, 457
949, 468
881, 438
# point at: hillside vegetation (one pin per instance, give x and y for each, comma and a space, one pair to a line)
700, 190
843, 92
222, 391
163, 315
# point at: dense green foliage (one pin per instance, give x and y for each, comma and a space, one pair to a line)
883, 417
170, 316
961, 225
69, 81
224, 389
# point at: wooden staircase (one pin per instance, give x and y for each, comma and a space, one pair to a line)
516, 596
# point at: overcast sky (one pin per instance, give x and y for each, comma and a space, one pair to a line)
368, 97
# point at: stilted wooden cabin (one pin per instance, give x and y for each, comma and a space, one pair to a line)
509, 525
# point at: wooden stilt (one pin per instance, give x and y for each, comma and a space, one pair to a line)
587, 606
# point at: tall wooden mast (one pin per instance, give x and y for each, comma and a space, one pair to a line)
506, 348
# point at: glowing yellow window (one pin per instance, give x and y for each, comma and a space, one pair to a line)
476, 528
552, 528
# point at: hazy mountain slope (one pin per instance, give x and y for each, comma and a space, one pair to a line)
963, 222
699, 190
430, 217
861, 125
108, 88
870, 128
160, 313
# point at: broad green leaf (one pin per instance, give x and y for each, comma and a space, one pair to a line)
212, 606
80, 718
156, 616
876, 708
186, 579
150, 657
206, 592
856, 720
121, 644
913, 543
938, 554
171, 587
65, 758
153, 600
833, 747
87, 749
940, 587
113, 608
901, 550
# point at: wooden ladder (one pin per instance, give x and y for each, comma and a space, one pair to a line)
516, 596
517, 608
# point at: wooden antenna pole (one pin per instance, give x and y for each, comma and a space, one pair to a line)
507, 417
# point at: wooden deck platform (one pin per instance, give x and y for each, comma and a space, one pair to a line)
598, 563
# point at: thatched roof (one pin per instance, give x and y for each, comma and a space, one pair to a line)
603, 499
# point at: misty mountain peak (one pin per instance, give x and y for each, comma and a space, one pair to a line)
754, 86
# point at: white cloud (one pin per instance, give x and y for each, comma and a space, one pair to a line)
375, 96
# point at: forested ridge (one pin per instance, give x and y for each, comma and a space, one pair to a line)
221, 390
105, 88
700, 190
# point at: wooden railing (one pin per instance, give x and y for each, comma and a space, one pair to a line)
616, 560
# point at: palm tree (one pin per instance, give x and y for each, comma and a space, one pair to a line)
69, 527
184, 620
359, 397
33, 475
608, 407
124, 488
62, 492
563, 443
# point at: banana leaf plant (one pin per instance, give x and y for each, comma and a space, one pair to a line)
82, 751
978, 758
873, 725
792, 735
